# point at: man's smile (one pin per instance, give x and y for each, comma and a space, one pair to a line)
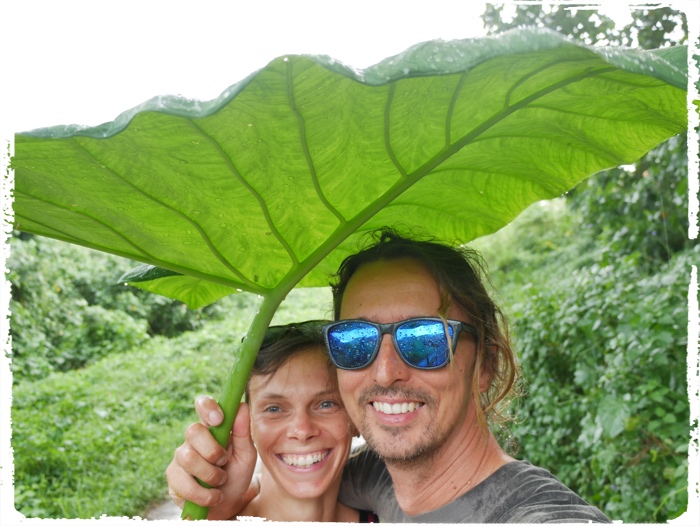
396, 408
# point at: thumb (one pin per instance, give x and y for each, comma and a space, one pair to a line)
243, 447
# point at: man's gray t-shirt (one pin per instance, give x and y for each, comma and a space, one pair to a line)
517, 493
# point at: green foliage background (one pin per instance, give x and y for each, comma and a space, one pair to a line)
599, 309
68, 311
602, 346
595, 284
95, 439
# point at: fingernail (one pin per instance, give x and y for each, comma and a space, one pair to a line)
215, 418
222, 461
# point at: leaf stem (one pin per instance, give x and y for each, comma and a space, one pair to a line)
235, 384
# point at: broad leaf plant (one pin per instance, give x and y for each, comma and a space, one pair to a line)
272, 184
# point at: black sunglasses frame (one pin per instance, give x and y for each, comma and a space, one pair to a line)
390, 328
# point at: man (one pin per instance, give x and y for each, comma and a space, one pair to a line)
424, 362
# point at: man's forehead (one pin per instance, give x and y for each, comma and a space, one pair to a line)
381, 267
384, 286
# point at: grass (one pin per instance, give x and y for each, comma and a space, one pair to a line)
96, 441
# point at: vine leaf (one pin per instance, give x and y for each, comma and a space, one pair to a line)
273, 183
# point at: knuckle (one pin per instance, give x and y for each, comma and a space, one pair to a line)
192, 431
204, 402
169, 471
213, 497
199, 400
201, 496
220, 477
192, 495
187, 457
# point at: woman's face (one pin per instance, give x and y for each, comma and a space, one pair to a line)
299, 425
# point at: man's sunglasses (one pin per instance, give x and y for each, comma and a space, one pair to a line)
422, 343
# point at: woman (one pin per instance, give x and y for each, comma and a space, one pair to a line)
300, 429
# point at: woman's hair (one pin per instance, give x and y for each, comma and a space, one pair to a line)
458, 272
281, 342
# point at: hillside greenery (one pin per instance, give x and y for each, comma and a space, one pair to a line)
95, 439
68, 310
602, 346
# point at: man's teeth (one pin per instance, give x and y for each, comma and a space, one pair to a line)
305, 461
396, 409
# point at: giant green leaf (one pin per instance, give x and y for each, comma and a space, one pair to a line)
272, 184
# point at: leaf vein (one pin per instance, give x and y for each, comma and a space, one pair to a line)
305, 146
387, 130
144, 256
658, 116
586, 145
263, 205
451, 108
447, 152
177, 212
535, 72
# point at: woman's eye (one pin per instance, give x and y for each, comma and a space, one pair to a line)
273, 409
328, 404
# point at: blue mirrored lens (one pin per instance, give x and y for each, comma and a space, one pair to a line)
423, 343
352, 344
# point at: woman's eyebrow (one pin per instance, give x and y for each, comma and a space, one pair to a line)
283, 396
272, 396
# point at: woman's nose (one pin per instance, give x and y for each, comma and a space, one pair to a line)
302, 427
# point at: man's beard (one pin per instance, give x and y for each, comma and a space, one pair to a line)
395, 448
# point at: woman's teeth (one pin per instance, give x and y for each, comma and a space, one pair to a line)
396, 409
305, 461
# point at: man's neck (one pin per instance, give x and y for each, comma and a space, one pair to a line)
460, 465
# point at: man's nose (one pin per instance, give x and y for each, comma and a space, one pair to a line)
303, 426
388, 366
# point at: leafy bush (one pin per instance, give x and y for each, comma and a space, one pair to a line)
600, 319
640, 214
602, 344
545, 236
67, 310
604, 358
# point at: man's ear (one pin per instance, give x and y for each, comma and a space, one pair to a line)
486, 372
